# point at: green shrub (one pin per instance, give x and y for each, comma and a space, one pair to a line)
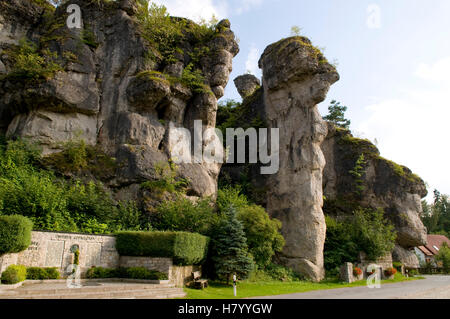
366, 231
52, 273
185, 248
100, 272
57, 204
413, 272
444, 257
182, 214
38, 273
262, 232
15, 234
129, 217
144, 273
397, 265
194, 79
339, 245
14, 274
281, 273
127, 273
30, 63
166, 179
373, 233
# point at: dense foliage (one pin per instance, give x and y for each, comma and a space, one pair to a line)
443, 257
167, 34
38, 273
367, 231
15, 234
436, 217
30, 63
127, 273
52, 203
262, 232
185, 248
14, 274
181, 214
230, 251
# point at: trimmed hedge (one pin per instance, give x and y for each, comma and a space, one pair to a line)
38, 273
14, 274
185, 248
130, 273
15, 233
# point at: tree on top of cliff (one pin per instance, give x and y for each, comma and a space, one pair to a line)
336, 115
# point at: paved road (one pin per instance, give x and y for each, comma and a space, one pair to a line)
433, 287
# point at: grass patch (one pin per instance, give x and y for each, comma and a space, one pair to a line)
248, 289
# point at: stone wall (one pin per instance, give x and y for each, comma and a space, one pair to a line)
182, 275
160, 264
53, 249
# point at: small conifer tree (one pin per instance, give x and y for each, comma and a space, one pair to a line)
231, 254
336, 115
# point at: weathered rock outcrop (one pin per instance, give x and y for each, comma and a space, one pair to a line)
385, 185
247, 84
296, 77
115, 90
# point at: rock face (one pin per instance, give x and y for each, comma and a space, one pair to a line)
247, 84
386, 185
110, 93
295, 79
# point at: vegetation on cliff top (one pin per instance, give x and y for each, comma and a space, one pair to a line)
336, 115
170, 35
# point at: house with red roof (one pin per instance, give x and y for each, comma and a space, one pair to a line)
431, 249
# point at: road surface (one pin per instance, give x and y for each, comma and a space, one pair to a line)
433, 287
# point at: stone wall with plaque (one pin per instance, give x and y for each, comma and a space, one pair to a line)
53, 249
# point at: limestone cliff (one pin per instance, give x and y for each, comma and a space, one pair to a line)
385, 184
296, 77
115, 89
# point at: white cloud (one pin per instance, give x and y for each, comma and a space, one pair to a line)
436, 73
251, 65
246, 5
413, 128
195, 9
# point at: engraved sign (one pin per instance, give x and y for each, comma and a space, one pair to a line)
55, 250
94, 251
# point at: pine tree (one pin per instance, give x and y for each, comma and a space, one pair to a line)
336, 115
231, 254
358, 173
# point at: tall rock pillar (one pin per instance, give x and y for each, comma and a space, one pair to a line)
296, 77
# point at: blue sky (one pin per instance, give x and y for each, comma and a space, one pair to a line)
393, 58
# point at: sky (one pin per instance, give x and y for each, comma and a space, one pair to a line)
393, 58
